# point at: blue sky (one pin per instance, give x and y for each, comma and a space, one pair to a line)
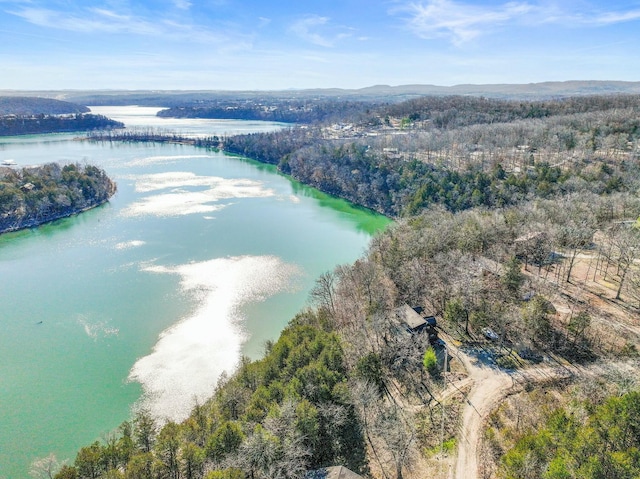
266, 45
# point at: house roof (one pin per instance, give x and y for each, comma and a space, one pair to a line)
409, 316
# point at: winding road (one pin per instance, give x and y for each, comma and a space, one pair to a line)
491, 385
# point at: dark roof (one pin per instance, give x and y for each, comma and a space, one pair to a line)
409, 316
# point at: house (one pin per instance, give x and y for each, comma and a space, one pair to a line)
413, 321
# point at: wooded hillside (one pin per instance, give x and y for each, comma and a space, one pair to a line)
517, 232
32, 115
461, 152
34, 195
26, 106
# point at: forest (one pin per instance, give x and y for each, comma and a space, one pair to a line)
26, 106
458, 151
31, 125
31, 196
282, 110
516, 230
34, 115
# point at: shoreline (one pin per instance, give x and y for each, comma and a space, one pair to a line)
37, 223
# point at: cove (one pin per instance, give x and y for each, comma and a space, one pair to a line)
198, 259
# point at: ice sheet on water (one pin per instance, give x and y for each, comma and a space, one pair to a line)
129, 244
177, 200
190, 356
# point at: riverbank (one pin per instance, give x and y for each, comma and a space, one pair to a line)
108, 282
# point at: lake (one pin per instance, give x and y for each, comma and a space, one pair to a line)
198, 259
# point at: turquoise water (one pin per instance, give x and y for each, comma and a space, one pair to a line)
199, 258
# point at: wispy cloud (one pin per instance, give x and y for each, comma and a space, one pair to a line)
96, 20
182, 4
318, 30
610, 18
461, 22
90, 20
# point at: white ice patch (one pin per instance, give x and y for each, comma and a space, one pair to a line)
177, 201
190, 356
129, 244
173, 204
153, 160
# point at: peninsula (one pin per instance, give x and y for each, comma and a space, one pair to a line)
32, 116
34, 195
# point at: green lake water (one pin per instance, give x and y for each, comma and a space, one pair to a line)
199, 258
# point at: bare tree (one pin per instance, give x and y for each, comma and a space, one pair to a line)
625, 249
46, 467
324, 291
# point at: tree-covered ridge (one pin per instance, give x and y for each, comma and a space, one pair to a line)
401, 158
27, 106
485, 152
34, 195
33, 115
282, 110
275, 418
43, 123
459, 111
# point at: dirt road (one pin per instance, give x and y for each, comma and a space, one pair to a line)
491, 385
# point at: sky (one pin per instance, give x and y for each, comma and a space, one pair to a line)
298, 44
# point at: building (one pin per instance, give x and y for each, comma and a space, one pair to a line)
414, 322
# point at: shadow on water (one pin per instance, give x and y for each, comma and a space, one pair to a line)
364, 219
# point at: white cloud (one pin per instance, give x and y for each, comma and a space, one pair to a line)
610, 18
304, 29
317, 30
460, 22
263, 21
90, 21
183, 4
102, 20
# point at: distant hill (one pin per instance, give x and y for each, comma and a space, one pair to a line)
26, 115
545, 90
26, 105
168, 98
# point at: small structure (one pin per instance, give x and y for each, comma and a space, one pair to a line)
334, 472
27, 187
490, 334
414, 322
